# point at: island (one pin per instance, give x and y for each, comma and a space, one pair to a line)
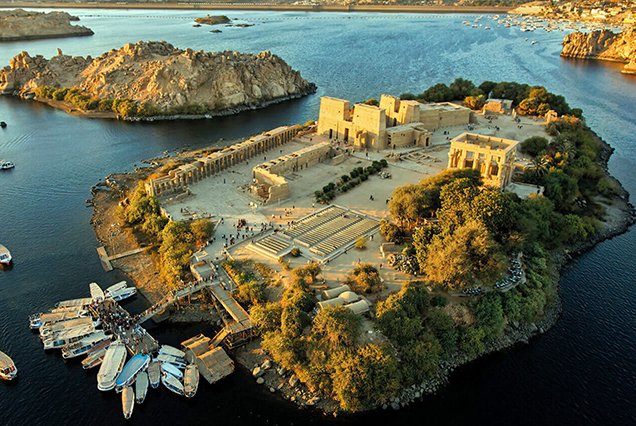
20, 24
603, 45
151, 80
363, 257
213, 20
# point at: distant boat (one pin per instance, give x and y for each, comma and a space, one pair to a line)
128, 401
172, 383
154, 374
111, 366
141, 387
3, 124
191, 380
134, 366
171, 369
8, 371
5, 256
6, 165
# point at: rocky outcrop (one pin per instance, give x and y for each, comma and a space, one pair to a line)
168, 79
603, 45
22, 25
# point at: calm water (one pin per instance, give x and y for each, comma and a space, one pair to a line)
583, 371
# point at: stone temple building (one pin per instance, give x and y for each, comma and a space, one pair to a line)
395, 123
493, 157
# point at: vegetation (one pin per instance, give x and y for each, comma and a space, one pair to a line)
365, 278
251, 287
529, 100
347, 182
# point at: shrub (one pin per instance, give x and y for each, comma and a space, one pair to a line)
361, 243
295, 252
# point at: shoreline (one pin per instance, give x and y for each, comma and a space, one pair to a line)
45, 36
263, 7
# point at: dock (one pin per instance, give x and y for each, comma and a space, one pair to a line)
213, 362
106, 260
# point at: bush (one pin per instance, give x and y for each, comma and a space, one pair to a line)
361, 243
365, 278
534, 145
295, 252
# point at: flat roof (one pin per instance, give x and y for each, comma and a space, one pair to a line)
485, 141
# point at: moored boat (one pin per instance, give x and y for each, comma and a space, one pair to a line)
141, 387
171, 369
154, 374
172, 383
85, 301
128, 401
66, 337
38, 320
171, 350
178, 362
191, 380
6, 165
96, 355
122, 294
48, 330
111, 366
5, 256
97, 294
115, 287
84, 345
134, 366
8, 370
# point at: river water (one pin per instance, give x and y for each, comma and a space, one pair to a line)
583, 371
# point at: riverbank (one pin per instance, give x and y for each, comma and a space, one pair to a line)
265, 7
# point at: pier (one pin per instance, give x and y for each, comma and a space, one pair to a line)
124, 327
106, 260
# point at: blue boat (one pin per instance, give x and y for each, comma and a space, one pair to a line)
134, 366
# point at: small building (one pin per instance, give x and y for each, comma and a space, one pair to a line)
360, 307
213, 362
493, 157
335, 292
499, 106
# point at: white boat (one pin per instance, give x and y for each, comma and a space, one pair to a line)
171, 369
84, 345
172, 383
111, 366
128, 401
5, 256
154, 374
97, 294
141, 387
95, 356
68, 336
6, 165
38, 320
115, 287
122, 294
178, 362
48, 330
74, 302
172, 351
133, 367
191, 380
8, 371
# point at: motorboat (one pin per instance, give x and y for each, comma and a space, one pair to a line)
74, 302
115, 287
191, 380
68, 336
171, 369
122, 294
154, 374
172, 351
97, 294
133, 367
84, 345
141, 387
128, 401
177, 362
48, 330
38, 320
8, 371
172, 383
5, 256
6, 165
111, 366
95, 356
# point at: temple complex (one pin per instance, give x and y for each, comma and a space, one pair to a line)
181, 177
395, 123
493, 157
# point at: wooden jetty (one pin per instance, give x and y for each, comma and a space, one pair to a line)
213, 362
106, 260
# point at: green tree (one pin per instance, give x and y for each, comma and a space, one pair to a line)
338, 326
443, 327
534, 145
202, 230
489, 314
365, 278
266, 317
475, 102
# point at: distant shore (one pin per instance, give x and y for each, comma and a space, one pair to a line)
263, 7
